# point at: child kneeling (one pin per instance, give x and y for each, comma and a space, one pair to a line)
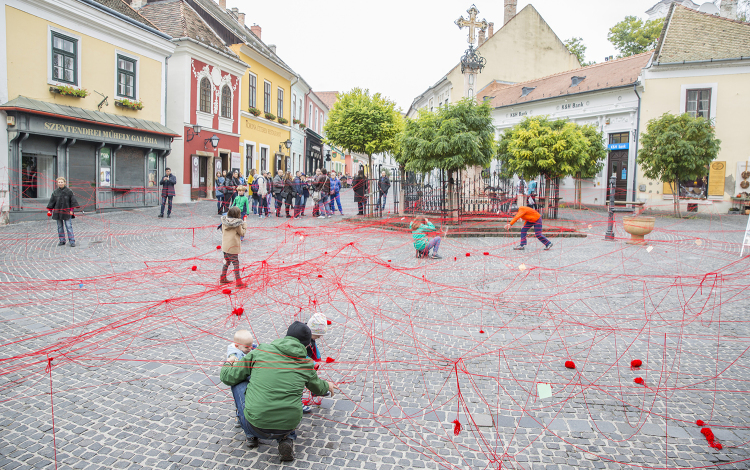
420, 227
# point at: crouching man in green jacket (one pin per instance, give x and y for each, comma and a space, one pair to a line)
278, 374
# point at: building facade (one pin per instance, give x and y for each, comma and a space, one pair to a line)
315, 147
83, 96
300, 89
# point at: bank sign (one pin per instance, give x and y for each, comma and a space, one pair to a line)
624, 146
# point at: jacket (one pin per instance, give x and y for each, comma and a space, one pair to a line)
230, 186
419, 237
526, 213
323, 184
288, 189
168, 185
335, 186
384, 184
231, 231
278, 185
242, 203
360, 185
263, 185
220, 186
279, 372
250, 179
61, 203
306, 188
297, 185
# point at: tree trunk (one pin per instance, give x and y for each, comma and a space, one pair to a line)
548, 195
676, 198
579, 191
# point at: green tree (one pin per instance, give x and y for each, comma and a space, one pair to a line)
632, 35
364, 123
454, 137
556, 149
576, 46
675, 148
743, 11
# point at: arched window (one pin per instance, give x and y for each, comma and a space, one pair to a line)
205, 104
226, 102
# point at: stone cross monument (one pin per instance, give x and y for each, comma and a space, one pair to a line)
471, 63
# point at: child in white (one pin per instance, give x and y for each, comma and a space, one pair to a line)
243, 344
318, 325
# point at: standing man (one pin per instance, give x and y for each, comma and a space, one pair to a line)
278, 373
532, 219
278, 186
297, 184
167, 191
60, 208
384, 184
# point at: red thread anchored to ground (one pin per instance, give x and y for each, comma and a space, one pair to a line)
443, 356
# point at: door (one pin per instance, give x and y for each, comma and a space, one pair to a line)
203, 177
618, 165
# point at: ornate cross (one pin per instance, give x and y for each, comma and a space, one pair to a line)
472, 23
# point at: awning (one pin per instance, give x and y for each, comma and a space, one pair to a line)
27, 105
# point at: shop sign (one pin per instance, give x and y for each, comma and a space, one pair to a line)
93, 132
623, 146
264, 130
716, 178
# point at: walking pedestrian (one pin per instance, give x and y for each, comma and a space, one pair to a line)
335, 193
61, 205
233, 228
323, 189
384, 184
219, 184
531, 193
531, 218
167, 191
269, 195
360, 185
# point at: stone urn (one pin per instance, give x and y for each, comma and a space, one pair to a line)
638, 226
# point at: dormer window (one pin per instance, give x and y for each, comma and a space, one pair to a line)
575, 81
526, 90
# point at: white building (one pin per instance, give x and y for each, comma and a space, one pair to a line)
300, 89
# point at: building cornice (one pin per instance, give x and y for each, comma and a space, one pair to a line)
209, 54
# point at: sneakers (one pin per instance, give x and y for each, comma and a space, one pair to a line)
237, 422
519, 247
240, 284
61, 243
72, 244
548, 246
161, 216
252, 442
321, 217
436, 256
169, 215
224, 280
306, 409
286, 450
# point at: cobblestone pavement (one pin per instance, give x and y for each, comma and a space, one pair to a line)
136, 338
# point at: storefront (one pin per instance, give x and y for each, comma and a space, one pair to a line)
313, 151
110, 162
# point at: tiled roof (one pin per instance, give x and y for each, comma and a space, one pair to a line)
179, 20
669, 2
689, 35
29, 105
122, 7
327, 97
615, 73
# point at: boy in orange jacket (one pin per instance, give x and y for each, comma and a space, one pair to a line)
532, 219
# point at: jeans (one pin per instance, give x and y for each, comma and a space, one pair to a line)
323, 208
537, 231
219, 202
298, 206
62, 225
164, 200
382, 201
263, 205
336, 199
279, 202
433, 245
238, 392
255, 204
303, 204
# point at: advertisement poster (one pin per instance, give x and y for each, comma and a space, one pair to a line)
236, 159
104, 177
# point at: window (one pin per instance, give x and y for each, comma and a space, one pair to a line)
299, 116
105, 168
64, 59
152, 167
310, 121
205, 90
264, 159
317, 129
249, 156
526, 90
266, 97
125, 77
699, 103
38, 178
431, 107
253, 90
619, 138
294, 106
226, 102
280, 104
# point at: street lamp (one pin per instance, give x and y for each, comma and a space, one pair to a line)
287, 144
191, 133
213, 140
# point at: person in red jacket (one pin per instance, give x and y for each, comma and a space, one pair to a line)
532, 219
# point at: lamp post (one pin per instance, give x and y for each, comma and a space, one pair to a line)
288, 144
328, 158
214, 140
610, 235
192, 133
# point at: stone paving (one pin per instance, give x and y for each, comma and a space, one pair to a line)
136, 339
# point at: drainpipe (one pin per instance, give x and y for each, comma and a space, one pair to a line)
166, 86
637, 136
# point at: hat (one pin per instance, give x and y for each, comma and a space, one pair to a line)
318, 324
300, 331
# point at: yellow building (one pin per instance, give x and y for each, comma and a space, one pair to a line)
703, 78
82, 93
267, 93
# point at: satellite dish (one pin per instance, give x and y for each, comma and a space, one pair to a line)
709, 8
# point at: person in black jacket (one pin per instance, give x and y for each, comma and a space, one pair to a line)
360, 185
384, 184
167, 191
60, 207
288, 193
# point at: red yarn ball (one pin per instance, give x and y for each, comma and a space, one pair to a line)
456, 427
486, 253
329, 360
717, 446
389, 261
638, 380
328, 322
194, 268
49, 213
226, 291
700, 422
481, 331
570, 364
636, 363
468, 254
320, 275
218, 247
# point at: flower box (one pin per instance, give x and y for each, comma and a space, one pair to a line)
302, 125
283, 120
270, 117
66, 90
254, 111
296, 121
126, 103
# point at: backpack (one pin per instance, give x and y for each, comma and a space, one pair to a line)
254, 187
532, 187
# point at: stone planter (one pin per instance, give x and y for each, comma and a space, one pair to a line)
638, 226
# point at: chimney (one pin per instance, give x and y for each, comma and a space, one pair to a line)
510, 10
235, 11
490, 30
272, 47
729, 9
241, 18
482, 38
136, 4
223, 4
255, 30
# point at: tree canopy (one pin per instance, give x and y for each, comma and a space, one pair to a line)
452, 138
364, 123
538, 146
675, 148
633, 36
576, 46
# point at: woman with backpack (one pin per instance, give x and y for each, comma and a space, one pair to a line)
261, 188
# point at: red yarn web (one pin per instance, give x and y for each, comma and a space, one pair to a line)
448, 357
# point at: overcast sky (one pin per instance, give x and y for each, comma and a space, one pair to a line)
401, 47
